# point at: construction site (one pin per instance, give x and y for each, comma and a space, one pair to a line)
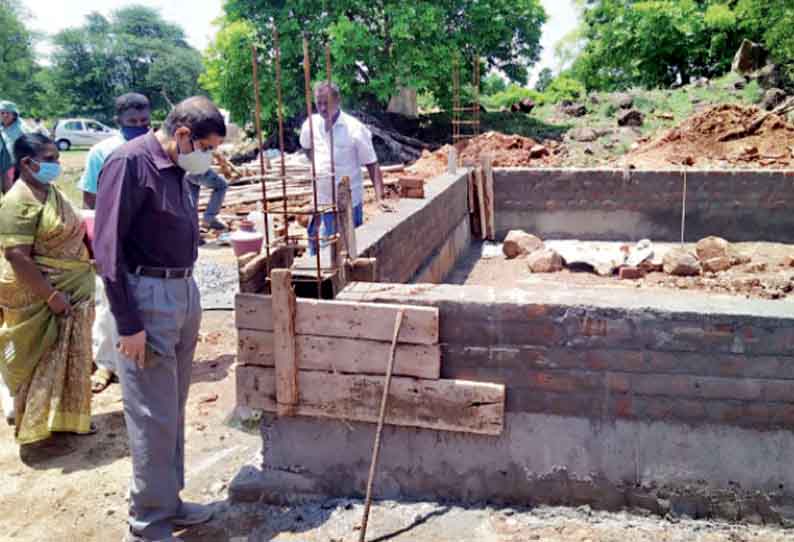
516, 349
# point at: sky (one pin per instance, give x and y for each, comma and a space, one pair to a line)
196, 17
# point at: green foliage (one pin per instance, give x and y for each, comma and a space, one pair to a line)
545, 77
492, 84
772, 22
511, 95
135, 50
564, 88
655, 42
376, 47
17, 57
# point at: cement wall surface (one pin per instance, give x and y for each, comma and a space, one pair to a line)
539, 459
631, 205
407, 242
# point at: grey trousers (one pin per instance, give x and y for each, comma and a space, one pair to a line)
154, 400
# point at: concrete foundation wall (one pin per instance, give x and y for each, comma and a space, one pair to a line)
408, 243
631, 205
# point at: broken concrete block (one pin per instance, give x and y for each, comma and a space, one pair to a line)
712, 247
715, 265
544, 261
681, 263
632, 117
520, 243
631, 273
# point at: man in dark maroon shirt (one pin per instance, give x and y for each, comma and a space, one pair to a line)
146, 239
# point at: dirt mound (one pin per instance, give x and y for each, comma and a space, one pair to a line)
506, 151
727, 135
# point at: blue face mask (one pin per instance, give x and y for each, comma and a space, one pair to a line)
48, 172
131, 132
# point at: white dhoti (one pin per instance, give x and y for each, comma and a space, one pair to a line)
105, 334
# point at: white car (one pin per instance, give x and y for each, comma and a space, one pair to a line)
80, 132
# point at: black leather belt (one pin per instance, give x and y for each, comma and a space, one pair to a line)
164, 272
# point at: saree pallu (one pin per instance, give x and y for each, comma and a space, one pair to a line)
45, 358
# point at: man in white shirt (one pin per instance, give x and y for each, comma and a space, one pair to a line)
352, 149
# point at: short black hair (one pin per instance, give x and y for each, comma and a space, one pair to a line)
28, 146
199, 114
131, 100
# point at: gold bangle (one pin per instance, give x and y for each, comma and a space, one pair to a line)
52, 296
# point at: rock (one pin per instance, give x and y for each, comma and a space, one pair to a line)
632, 117
624, 101
575, 110
770, 76
750, 57
772, 98
681, 263
739, 84
544, 261
631, 273
520, 243
715, 265
588, 150
788, 261
538, 151
584, 134
526, 105
639, 253
712, 247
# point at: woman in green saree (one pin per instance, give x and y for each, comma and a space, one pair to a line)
46, 295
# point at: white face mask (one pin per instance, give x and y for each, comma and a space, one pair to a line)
196, 162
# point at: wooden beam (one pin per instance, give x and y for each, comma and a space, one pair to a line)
478, 180
363, 270
452, 161
446, 405
347, 228
487, 170
342, 319
284, 350
349, 356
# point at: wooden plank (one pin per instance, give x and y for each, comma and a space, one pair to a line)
478, 179
349, 356
284, 350
446, 405
347, 225
487, 169
363, 270
349, 319
452, 161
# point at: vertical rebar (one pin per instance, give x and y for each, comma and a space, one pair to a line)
476, 104
330, 122
307, 77
258, 121
280, 99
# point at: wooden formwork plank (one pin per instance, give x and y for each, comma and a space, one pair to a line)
373, 321
284, 348
347, 224
350, 356
363, 270
478, 180
488, 198
446, 405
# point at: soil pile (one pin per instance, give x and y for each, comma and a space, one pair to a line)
725, 136
505, 150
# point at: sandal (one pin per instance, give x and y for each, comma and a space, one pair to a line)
101, 379
92, 430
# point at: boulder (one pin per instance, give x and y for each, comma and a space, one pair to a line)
544, 261
715, 265
526, 105
624, 101
770, 76
772, 98
538, 151
680, 262
750, 57
712, 247
575, 110
520, 243
632, 117
583, 134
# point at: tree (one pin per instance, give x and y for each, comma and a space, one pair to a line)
376, 47
656, 42
772, 21
135, 50
492, 84
17, 57
545, 77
